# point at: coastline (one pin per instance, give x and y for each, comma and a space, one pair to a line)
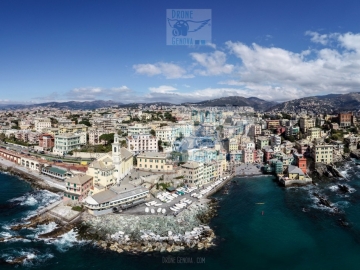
33, 178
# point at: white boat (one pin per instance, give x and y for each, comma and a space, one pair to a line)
152, 211
146, 209
159, 210
163, 210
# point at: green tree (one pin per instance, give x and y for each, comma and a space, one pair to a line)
334, 137
108, 138
160, 146
85, 122
346, 150
152, 132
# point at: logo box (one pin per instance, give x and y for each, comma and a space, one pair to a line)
188, 26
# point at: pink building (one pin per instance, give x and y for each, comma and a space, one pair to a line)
77, 187
46, 141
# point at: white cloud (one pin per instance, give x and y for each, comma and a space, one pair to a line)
317, 38
214, 63
169, 70
162, 89
93, 93
295, 74
212, 45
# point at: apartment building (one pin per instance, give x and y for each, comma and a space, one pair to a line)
314, 133
322, 153
272, 124
165, 134
42, 123
46, 141
193, 173
138, 129
306, 123
95, 133
154, 161
345, 119
261, 142
140, 143
66, 142
77, 187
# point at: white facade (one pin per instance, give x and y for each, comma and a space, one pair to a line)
140, 143
138, 129
66, 142
40, 124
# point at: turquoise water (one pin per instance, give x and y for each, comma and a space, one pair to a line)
275, 235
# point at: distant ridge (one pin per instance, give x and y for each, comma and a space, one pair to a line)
330, 103
256, 103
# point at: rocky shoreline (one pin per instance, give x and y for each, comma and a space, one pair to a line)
33, 180
134, 234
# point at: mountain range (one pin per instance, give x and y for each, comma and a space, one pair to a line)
331, 103
318, 104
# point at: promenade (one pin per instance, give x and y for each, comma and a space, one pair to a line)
60, 185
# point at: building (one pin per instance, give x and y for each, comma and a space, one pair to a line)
233, 144
345, 119
77, 187
40, 124
314, 133
165, 134
154, 161
275, 140
261, 142
272, 124
306, 123
110, 168
138, 129
66, 142
142, 143
95, 133
193, 173
322, 153
46, 141
56, 172
114, 199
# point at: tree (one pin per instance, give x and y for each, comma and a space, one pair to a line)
152, 132
85, 122
334, 137
346, 150
160, 146
108, 138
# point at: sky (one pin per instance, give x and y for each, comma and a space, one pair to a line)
116, 50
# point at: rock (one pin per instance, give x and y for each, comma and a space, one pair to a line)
200, 246
119, 250
163, 249
18, 260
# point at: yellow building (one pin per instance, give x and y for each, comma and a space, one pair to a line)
322, 153
295, 172
306, 123
233, 144
110, 168
73, 129
313, 133
154, 161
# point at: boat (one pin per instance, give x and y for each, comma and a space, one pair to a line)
260, 203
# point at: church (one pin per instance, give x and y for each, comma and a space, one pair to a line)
111, 168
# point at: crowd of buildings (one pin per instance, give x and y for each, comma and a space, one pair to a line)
196, 145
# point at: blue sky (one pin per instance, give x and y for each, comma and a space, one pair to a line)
88, 50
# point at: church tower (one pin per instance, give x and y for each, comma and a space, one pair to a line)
116, 157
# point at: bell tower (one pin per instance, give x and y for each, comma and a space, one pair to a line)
116, 157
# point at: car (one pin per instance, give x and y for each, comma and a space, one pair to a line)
42, 152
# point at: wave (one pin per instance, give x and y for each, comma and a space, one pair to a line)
67, 240
30, 257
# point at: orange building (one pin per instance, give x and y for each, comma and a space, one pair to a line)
302, 164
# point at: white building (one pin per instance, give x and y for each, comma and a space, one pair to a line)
140, 143
40, 124
66, 142
138, 129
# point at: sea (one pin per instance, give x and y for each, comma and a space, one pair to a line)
259, 225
